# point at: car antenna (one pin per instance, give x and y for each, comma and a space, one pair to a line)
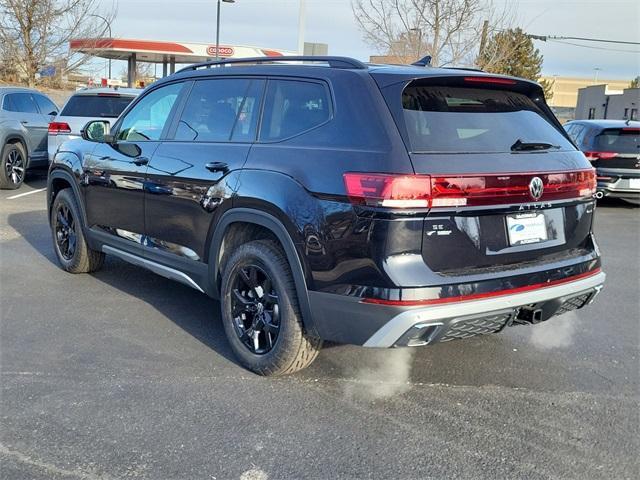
423, 62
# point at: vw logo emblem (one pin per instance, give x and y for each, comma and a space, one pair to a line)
536, 187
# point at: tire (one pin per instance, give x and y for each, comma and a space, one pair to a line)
13, 166
69, 241
285, 349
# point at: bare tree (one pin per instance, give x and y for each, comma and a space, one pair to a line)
447, 30
36, 33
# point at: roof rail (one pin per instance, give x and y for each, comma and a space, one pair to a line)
333, 62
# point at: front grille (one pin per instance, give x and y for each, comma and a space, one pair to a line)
574, 303
475, 326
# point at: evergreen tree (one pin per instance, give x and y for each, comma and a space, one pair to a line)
511, 52
635, 83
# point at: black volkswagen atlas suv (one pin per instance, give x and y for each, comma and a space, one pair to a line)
323, 199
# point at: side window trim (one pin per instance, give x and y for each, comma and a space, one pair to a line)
318, 81
115, 129
175, 118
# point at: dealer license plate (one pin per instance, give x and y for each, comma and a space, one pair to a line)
526, 228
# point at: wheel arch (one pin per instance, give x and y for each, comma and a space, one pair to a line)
17, 138
279, 232
58, 180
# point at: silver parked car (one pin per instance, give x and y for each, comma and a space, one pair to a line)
24, 119
86, 105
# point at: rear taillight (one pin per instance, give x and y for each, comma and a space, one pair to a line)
59, 127
600, 155
396, 191
427, 191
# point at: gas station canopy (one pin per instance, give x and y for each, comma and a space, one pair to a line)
167, 53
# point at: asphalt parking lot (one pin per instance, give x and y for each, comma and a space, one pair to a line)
124, 374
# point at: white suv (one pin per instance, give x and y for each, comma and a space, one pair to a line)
86, 105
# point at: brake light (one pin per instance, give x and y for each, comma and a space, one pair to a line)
426, 191
59, 127
396, 191
600, 155
496, 80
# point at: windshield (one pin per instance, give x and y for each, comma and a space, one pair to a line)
619, 141
106, 106
457, 119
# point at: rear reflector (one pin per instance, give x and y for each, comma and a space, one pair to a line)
426, 191
59, 127
479, 296
600, 155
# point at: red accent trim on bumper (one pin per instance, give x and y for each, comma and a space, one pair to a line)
477, 296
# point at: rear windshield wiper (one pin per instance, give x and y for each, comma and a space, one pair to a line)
520, 146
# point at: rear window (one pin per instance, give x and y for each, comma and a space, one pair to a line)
458, 119
107, 106
619, 140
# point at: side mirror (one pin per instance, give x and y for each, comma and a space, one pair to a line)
97, 131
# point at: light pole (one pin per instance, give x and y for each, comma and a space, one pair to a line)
218, 27
595, 75
301, 19
109, 27
418, 31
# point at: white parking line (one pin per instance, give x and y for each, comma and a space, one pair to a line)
26, 193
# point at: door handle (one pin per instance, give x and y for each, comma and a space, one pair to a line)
139, 161
24, 122
217, 167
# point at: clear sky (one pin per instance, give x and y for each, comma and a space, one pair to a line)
274, 24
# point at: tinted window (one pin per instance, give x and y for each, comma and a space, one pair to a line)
147, 118
619, 141
106, 106
7, 104
221, 110
293, 107
575, 132
20, 102
46, 106
452, 119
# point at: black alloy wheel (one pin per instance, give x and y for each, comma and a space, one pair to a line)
255, 309
65, 231
14, 167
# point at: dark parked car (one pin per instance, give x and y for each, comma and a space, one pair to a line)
613, 147
24, 119
331, 200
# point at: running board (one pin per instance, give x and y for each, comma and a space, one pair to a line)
167, 272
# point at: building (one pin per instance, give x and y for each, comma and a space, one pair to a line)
600, 102
166, 53
565, 89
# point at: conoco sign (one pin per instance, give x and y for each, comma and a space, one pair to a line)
223, 51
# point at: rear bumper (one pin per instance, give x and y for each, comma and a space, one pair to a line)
617, 183
374, 325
